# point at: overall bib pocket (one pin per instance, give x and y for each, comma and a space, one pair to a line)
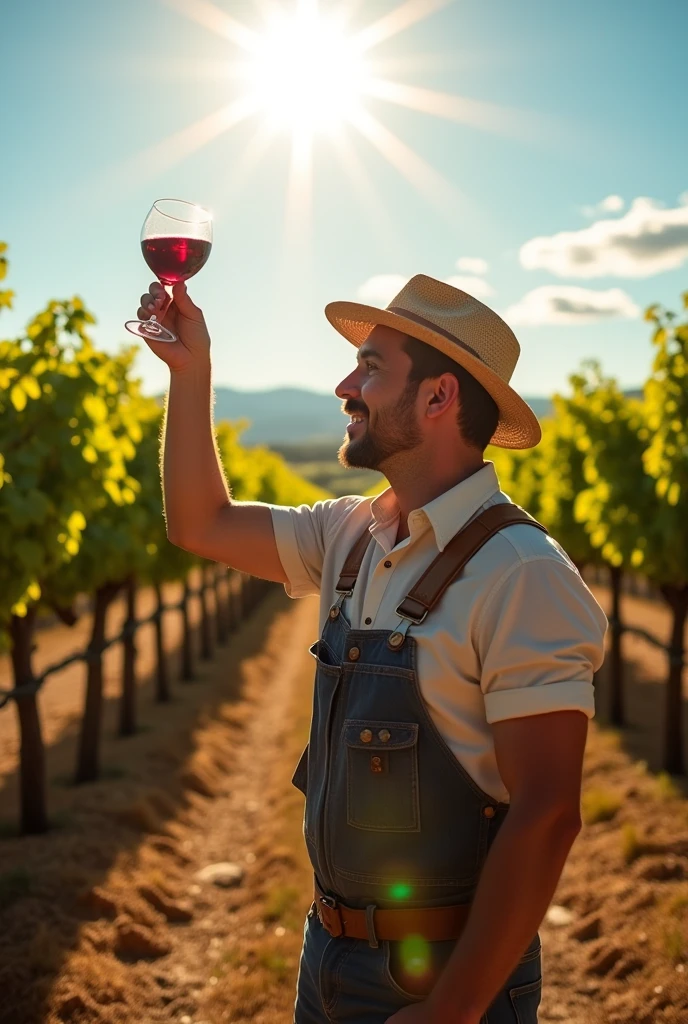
382, 775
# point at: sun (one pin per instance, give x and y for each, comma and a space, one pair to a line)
305, 74
311, 75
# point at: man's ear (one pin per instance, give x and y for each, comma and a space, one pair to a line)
445, 390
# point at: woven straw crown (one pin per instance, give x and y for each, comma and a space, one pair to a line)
462, 327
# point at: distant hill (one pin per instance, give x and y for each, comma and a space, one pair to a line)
294, 415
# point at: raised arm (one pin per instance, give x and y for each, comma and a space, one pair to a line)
199, 512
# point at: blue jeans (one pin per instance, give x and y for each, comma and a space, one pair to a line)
342, 980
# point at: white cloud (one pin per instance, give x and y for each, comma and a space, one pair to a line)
570, 304
646, 240
476, 286
610, 204
381, 289
472, 265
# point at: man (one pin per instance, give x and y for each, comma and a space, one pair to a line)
443, 771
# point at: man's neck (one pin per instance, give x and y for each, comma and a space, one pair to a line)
415, 492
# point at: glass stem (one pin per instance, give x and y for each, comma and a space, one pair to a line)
160, 315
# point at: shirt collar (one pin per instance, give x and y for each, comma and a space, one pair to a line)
448, 512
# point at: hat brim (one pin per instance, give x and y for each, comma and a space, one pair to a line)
518, 426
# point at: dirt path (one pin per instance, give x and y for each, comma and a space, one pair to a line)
149, 941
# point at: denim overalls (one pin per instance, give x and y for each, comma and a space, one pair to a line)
392, 820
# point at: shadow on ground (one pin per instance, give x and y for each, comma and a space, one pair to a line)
150, 784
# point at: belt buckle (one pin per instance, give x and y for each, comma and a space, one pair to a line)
335, 919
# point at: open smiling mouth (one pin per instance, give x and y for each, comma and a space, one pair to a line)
356, 421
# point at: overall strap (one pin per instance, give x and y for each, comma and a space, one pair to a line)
352, 565
426, 593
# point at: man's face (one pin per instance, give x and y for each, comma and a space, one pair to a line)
382, 402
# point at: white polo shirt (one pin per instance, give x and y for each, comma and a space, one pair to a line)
519, 632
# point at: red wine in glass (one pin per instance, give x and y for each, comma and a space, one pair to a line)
176, 239
175, 259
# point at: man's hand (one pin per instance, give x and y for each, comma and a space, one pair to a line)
192, 349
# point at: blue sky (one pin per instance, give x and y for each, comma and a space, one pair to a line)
590, 107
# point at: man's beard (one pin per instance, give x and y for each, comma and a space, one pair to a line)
396, 431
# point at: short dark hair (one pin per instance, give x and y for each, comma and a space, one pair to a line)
478, 412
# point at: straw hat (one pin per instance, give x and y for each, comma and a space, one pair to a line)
462, 327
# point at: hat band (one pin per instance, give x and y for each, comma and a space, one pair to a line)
433, 327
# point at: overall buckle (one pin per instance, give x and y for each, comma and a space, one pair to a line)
330, 916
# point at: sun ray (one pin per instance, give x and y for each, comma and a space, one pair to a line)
266, 8
477, 113
388, 227
298, 213
418, 62
152, 161
248, 159
209, 16
159, 66
429, 182
348, 9
397, 20
296, 262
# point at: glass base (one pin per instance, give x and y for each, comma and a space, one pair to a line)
150, 329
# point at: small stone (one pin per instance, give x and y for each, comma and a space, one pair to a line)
212, 980
224, 874
680, 968
243, 969
559, 916
280, 930
194, 890
250, 858
658, 989
185, 1019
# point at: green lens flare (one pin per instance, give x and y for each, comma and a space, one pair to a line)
400, 891
415, 955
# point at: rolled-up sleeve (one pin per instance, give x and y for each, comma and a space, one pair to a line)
540, 639
302, 534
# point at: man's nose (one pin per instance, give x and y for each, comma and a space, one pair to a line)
349, 387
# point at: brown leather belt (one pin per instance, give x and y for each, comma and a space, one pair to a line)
433, 923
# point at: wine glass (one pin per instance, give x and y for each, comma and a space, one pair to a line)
176, 239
